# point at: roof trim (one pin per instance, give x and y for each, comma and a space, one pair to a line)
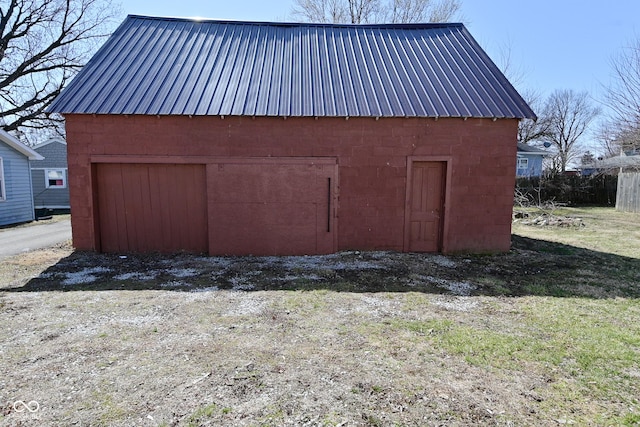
428, 25
49, 141
19, 147
527, 149
618, 162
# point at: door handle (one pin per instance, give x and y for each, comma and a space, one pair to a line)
329, 205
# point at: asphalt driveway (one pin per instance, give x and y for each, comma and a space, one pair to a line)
14, 241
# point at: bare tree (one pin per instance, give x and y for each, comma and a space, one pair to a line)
512, 71
43, 43
569, 114
534, 132
375, 11
605, 135
338, 11
442, 11
615, 137
529, 131
621, 132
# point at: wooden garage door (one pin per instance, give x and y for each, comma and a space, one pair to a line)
425, 207
272, 207
152, 207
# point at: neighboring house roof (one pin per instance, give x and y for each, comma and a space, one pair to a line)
49, 141
171, 66
18, 146
622, 161
528, 149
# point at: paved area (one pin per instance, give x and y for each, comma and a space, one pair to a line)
40, 235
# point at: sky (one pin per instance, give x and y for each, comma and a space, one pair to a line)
552, 44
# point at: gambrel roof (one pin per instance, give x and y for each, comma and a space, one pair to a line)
170, 66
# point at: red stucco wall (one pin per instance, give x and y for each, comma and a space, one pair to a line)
372, 160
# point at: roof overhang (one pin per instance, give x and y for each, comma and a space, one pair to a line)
619, 162
18, 146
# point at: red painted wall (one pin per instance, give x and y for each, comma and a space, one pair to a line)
372, 161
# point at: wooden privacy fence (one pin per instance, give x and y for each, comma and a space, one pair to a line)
628, 195
598, 190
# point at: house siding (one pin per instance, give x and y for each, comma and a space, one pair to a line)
372, 158
43, 197
55, 157
18, 205
54, 153
534, 168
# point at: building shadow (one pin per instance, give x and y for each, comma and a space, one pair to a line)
531, 267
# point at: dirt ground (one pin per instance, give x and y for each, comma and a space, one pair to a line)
337, 340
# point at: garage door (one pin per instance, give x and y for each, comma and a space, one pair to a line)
152, 207
272, 207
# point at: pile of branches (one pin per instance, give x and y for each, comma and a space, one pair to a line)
541, 214
546, 219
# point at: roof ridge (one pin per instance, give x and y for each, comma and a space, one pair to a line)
418, 25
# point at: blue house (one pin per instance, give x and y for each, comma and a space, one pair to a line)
529, 163
16, 193
49, 175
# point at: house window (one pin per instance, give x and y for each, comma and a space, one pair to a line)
55, 178
523, 163
3, 196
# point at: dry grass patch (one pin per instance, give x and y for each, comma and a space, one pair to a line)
546, 334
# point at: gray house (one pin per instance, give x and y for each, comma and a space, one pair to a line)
49, 175
16, 193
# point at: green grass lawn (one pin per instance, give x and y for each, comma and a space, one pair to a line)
589, 346
606, 230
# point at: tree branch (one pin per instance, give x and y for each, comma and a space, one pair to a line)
43, 44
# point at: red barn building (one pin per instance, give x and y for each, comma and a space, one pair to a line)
271, 138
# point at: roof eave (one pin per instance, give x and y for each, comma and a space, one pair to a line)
435, 117
19, 147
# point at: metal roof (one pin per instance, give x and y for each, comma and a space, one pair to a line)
171, 66
621, 161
